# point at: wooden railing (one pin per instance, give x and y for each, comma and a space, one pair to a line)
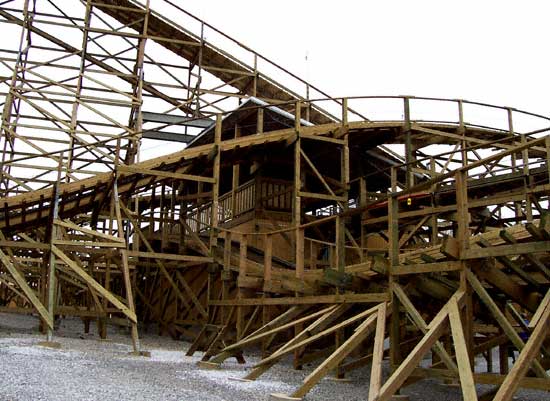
200, 218
274, 195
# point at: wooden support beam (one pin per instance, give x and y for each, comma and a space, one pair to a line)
307, 300
461, 351
506, 250
378, 353
94, 284
526, 357
27, 290
165, 174
163, 269
255, 338
313, 328
360, 333
275, 357
501, 319
435, 267
419, 322
396, 380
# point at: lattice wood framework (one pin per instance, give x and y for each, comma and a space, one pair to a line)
291, 221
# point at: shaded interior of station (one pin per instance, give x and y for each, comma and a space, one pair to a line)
158, 173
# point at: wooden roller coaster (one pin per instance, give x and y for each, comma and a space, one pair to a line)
341, 231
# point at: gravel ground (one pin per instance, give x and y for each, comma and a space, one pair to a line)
87, 368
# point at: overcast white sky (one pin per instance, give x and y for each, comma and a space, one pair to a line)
489, 51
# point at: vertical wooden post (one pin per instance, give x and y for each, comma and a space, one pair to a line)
433, 220
393, 250
235, 178
363, 203
226, 265
409, 151
527, 181
268, 255
268, 259
297, 216
462, 132
243, 251
125, 267
216, 186
78, 89
503, 358
52, 281
213, 271
463, 234
260, 121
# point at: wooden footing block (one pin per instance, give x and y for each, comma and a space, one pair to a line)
239, 379
146, 354
208, 365
337, 379
49, 344
282, 397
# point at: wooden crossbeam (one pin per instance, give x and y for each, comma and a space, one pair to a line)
70, 225
308, 300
